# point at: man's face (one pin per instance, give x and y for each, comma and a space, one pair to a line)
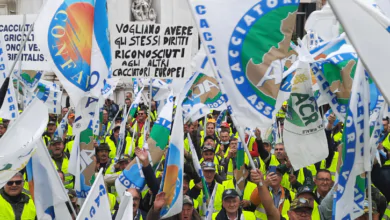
14, 186
267, 147
208, 156
51, 128
209, 175
224, 136
185, 187
276, 180
103, 155
210, 142
323, 182
105, 115
57, 149
210, 130
279, 151
231, 205
136, 199
2, 130
187, 211
233, 145
128, 102
71, 120
153, 105
64, 111
141, 116
385, 125
190, 129
300, 214
116, 134
123, 164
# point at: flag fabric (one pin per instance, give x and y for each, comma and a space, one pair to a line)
172, 178
27, 98
9, 109
101, 50
220, 119
239, 172
85, 111
16, 145
49, 192
3, 61
135, 104
62, 126
64, 35
50, 94
334, 72
246, 55
303, 127
210, 207
375, 131
348, 204
109, 87
132, 176
374, 55
81, 163
96, 205
122, 133
160, 89
125, 211
29, 79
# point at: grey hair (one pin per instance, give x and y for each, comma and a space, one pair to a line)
18, 174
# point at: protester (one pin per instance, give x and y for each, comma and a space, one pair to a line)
13, 203
61, 160
231, 207
324, 184
3, 129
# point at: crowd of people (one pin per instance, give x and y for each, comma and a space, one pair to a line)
273, 189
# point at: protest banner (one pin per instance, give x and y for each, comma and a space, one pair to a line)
11, 28
145, 50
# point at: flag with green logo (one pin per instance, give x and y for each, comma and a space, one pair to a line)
304, 137
246, 51
132, 176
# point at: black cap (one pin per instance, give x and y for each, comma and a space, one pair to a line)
103, 146
51, 123
208, 137
55, 140
305, 189
124, 158
230, 193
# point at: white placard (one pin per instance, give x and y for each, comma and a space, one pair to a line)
12, 33
149, 50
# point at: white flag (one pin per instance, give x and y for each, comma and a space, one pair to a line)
304, 135
16, 145
49, 192
9, 110
96, 205
246, 49
357, 20
50, 94
62, 126
125, 211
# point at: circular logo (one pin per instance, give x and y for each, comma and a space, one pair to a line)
70, 41
260, 39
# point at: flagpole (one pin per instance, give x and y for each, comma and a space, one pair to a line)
20, 61
369, 196
241, 131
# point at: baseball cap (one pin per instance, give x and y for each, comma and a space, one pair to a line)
51, 123
124, 158
305, 189
229, 193
103, 146
208, 166
225, 124
208, 137
208, 148
187, 200
299, 203
212, 120
55, 140
72, 115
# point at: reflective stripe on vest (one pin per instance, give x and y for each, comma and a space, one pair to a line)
386, 216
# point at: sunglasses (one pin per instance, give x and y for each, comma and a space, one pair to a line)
17, 182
